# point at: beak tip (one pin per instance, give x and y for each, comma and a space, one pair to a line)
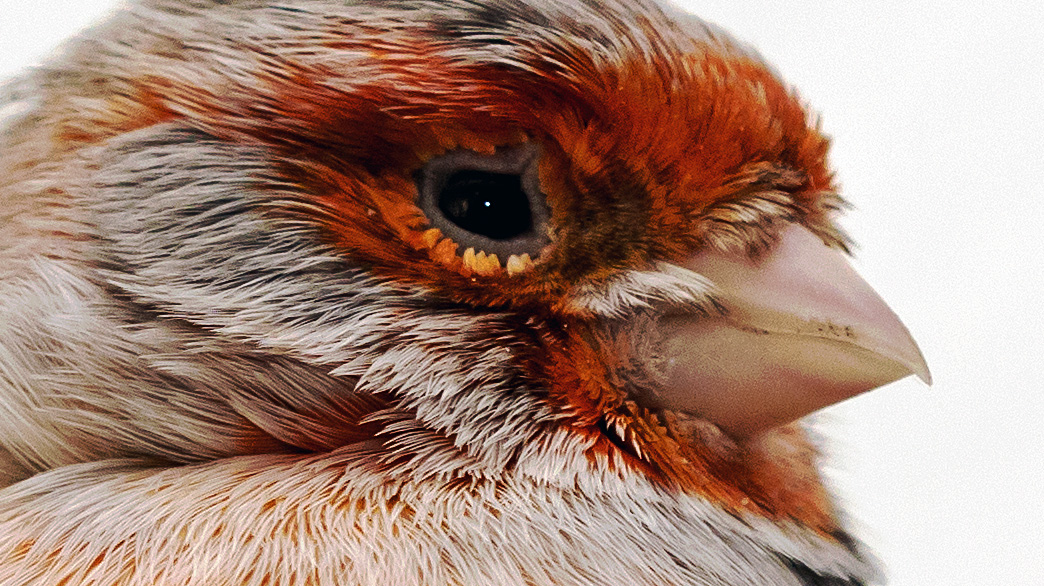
924, 374
919, 366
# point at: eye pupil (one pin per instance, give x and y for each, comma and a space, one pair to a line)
494, 205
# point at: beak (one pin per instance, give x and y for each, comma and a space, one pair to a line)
802, 330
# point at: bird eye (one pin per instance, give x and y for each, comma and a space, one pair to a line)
492, 203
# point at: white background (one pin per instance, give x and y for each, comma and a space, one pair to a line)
937, 114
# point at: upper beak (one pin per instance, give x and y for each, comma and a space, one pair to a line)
802, 330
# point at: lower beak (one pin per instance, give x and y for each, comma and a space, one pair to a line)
802, 330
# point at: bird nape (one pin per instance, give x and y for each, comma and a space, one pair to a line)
422, 292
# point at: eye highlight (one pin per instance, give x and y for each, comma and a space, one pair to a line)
490, 202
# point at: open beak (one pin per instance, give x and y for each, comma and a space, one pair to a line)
802, 331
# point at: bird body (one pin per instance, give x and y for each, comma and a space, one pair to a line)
407, 292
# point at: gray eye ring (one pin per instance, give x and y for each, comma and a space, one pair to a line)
517, 163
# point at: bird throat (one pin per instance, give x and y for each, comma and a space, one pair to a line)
774, 475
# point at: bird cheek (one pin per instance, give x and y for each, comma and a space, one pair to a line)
801, 331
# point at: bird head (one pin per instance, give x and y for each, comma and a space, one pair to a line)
568, 240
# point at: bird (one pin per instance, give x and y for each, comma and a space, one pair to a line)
423, 292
